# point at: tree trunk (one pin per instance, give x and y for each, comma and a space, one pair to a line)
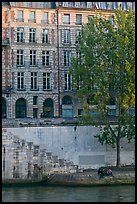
118, 152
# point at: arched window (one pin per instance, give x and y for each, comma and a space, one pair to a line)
4, 108
67, 107
66, 100
48, 108
20, 108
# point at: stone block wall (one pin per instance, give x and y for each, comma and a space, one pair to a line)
31, 152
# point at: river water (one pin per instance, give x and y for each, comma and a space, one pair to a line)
123, 193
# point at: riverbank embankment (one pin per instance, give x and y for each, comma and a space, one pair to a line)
88, 177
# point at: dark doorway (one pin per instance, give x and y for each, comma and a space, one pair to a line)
48, 108
20, 108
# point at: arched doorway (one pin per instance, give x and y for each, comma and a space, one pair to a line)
67, 107
21, 108
48, 108
4, 108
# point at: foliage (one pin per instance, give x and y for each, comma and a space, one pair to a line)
104, 74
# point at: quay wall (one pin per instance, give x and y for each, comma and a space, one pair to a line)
31, 152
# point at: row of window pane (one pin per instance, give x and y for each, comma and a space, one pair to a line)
34, 81
45, 35
32, 16
45, 58
46, 81
66, 19
32, 35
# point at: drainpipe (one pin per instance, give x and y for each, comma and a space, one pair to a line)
58, 50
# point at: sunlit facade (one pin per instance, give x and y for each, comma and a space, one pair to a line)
38, 41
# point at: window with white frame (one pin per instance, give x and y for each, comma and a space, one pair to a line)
46, 81
66, 36
79, 57
77, 35
45, 36
32, 35
20, 34
20, 58
46, 58
79, 83
78, 19
68, 82
20, 80
32, 17
34, 85
20, 16
66, 19
67, 57
32, 57
45, 17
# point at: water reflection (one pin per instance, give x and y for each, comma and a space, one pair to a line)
70, 194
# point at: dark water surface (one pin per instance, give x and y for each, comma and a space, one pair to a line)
125, 193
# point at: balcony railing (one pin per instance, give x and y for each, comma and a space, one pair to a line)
5, 42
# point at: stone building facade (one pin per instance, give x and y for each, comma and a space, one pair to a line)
38, 41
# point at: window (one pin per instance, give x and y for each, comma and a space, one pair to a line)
35, 100
35, 112
45, 17
115, 5
34, 81
66, 19
79, 57
80, 111
124, 5
20, 17
45, 36
77, 35
90, 17
102, 5
110, 5
20, 57
78, 19
20, 80
46, 58
46, 81
79, 83
67, 55
32, 57
90, 4
32, 17
20, 34
68, 82
111, 18
32, 35
66, 36
129, 5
